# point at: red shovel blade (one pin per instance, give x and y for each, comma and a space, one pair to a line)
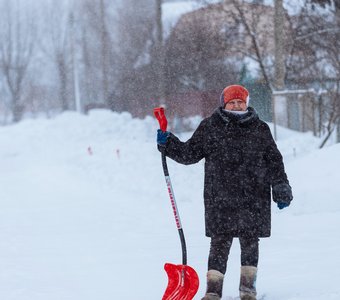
183, 282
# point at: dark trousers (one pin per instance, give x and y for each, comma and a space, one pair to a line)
220, 248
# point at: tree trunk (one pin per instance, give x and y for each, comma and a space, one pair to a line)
62, 72
279, 83
17, 108
160, 53
104, 52
338, 131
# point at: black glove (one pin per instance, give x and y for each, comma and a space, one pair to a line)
282, 194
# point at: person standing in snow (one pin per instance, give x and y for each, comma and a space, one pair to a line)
243, 167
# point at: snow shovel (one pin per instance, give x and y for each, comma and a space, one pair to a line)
183, 280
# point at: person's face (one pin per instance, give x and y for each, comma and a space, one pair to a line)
236, 105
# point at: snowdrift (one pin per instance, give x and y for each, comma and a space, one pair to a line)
85, 214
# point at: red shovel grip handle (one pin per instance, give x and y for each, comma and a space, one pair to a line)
160, 116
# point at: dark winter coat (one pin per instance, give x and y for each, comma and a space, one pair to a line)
242, 162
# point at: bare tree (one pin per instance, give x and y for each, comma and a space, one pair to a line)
135, 68
17, 36
318, 38
256, 38
306, 51
330, 115
197, 51
98, 21
61, 53
323, 3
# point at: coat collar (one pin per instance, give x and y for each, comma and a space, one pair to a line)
228, 117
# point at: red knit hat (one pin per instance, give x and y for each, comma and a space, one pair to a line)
232, 92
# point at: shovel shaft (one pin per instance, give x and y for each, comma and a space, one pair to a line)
175, 209
173, 202
163, 123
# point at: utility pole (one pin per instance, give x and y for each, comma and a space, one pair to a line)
104, 52
160, 53
74, 64
279, 102
279, 33
159, 23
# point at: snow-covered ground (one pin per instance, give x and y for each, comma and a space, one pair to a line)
84, 214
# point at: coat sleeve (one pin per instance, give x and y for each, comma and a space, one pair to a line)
188, 152
276, 169
281, 189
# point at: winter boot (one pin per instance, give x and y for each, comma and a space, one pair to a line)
247, 283
214, 285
